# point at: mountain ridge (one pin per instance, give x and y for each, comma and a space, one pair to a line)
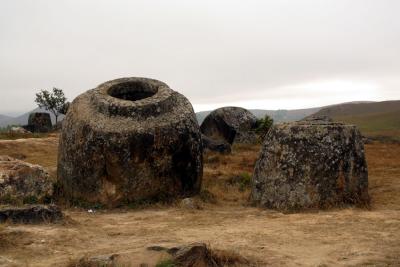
373, 119
23, 119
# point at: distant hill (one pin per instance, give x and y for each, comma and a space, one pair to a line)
4, 118
373, 119
281, 115
23, 119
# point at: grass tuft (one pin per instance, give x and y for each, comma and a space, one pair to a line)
166, 263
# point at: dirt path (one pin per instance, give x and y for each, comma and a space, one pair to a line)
343, 237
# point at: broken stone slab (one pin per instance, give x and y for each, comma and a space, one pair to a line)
31, 214
22, 182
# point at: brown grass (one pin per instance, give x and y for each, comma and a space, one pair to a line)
229, 258
339, 237
221, 170
384, 172
42, 151
8, 135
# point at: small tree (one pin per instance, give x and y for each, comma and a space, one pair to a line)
263, 125
54, 101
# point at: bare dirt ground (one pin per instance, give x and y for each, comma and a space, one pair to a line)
341, 237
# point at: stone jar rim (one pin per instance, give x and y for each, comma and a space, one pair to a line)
132, 97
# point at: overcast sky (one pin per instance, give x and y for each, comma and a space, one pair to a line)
257, 54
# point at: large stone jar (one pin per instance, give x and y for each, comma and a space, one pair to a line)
311, 164
39, 122
129, 140
231, 125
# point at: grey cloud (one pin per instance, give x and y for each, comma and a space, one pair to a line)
212, 51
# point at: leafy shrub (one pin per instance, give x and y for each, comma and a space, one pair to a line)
243, 181
263, 125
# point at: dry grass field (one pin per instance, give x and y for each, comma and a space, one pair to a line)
340, 237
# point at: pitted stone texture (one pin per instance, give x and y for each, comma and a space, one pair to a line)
23, 182
142, 144
311, 164
230, 124
39, 122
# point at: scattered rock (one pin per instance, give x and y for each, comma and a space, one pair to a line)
157, 248
231, 125
39, 122
103, 260
129, 140
190, 204
97, 261
196, 254
22, 182
215, 145
199, 255
171, 251
19, 130
311, 164
31, 214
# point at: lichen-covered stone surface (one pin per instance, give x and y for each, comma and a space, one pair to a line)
39, 122
311, 164
22, 182
230, 124
128, 140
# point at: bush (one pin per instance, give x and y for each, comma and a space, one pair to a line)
243, 181
263, 125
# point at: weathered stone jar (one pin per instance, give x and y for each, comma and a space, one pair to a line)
39, 122
129, 139
311, 164
231, 125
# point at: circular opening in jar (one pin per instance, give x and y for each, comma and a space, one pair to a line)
132, 91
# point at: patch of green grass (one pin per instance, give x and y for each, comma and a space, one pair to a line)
12, 200
377, 124
243, 181
212, 159
166, 263
30, 200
